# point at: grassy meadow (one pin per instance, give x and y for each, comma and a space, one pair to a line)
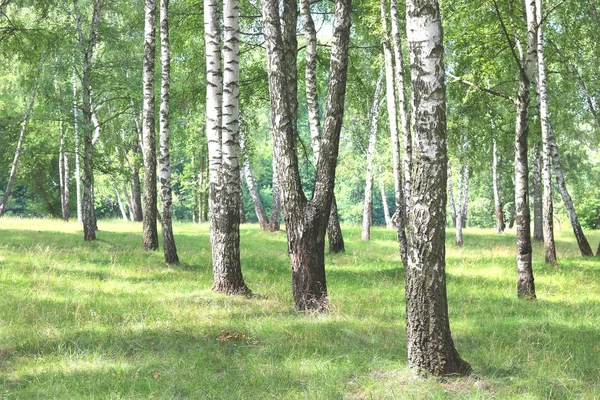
107, 320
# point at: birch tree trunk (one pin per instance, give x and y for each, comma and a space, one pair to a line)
538, 205
400, 214
222, 125
129, 201
263, 219
336, 240
150, 230
549, 246
497, 198
63, 172
384, 202
120, 203
77, 148
451, 195
306, 220
15, 163
525, 282
401, 98
582, 242
276, 199
164, 160
429, 340
368, 200
87, 45
460, 183
465, 200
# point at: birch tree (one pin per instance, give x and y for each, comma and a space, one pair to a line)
368, 199
164, 161
259, 208
306, 220
538, 194
430, 346
495, 178
222, 129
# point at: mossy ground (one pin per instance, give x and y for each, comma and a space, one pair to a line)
109, 320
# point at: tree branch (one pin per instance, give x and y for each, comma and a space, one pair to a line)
483, 89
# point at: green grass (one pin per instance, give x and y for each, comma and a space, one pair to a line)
107, 320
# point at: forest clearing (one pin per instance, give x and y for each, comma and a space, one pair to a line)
105, 319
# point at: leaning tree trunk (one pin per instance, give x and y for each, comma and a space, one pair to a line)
222, 127
538, 204
582, 242
15, 163
368, 200
150, 230
429, 341
306, 220
497, 199
261, 214
549, 246
120, 202
336, 240
164, 160
400, 214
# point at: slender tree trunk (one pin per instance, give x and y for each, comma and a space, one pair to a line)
120, 202
384, 202
150, 230
403, 112
460, 182
87, 45
525, 282
241, 205
222, 99
136, 193
451, 195
336, 240
400, 214
263, 219
15, 163
77, 148
497, 198
201, 188
549, 246
582, 242
276, 199
465, 200
164, 160
61, 170
306, 220
429, 341
368, 200
128, 200
538, 205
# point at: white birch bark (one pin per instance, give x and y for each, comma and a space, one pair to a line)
496, 188
77, 148
15, 163
368, 199
263, 220
164, 160
120, 203
384, 202
451, 195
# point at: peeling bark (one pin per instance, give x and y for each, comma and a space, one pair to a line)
429, 341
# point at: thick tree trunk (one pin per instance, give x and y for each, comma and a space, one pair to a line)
15, 163
222, 123
538, 205
164, 160
276, 199
549, 246
451, 195
403, 112
497, 198
582, 242
263, 219
150, 230
306, 220
390, 92
429, 341
368, 200
334, 230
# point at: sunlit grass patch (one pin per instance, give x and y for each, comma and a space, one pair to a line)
109, 320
